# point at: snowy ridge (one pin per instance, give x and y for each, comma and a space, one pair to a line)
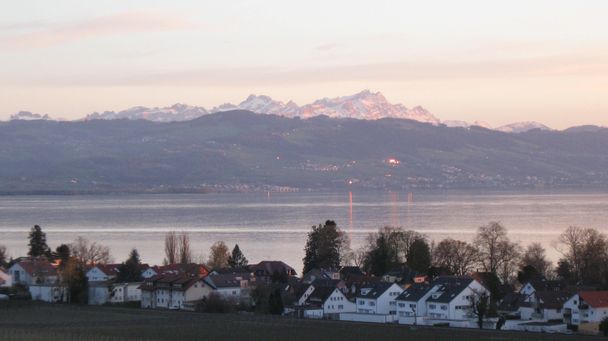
522, 127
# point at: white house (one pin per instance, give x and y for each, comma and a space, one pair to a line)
544, 305
49, 292
172, 291
378, 298
6, 280
586, 307
102, 272
451, 298
411, 303
327, 302
33, 271
106, 292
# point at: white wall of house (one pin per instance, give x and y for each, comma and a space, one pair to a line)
98, 294
338, 303
527, 289
313, 313
96, 275
149, 273
20, 276
459, 308
373, 318
6, 280
384, 304
48, 293
525, 313
148, 299
407, 310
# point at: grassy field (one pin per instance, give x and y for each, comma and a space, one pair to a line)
29, 321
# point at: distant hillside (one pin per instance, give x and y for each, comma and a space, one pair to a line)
240, 150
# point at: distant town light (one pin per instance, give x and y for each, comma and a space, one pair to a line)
393, 162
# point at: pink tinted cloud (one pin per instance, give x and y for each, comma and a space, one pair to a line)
46, 35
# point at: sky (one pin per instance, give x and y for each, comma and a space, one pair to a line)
492, 61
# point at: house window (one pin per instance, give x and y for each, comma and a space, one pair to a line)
401, 305
372, 303
361, 302
340, 306
444, 307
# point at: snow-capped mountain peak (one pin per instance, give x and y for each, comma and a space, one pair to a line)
522, 127
176, 112
28, 116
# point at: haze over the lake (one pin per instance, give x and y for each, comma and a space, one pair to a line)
498, 62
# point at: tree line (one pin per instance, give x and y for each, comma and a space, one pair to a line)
583, 261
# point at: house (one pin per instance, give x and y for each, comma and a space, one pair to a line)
315, 274
192, 269
327, 302
544, 305
451, 298
102, 292
322, 283
265, 270
378, 298
172, 291
33, 271
586, 307
411, 303
103, 272
542, 284
6, 280
49, 292
511, 304
230, 287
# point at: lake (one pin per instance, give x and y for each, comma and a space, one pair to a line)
274, 226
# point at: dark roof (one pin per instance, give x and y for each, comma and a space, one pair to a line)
404, 273
190, 269
269, 267
553, 299
548, 285
448, 288
232, 271
511, 302
326, 283
347, 271
596, 299
40, 267
224, 281
375, 290
108, 269
320, 295
415, 292
184, 281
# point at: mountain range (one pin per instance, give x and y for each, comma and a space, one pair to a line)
240, 150
363, 105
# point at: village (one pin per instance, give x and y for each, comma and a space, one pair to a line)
402, 295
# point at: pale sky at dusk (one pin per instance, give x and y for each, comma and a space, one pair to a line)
492, 61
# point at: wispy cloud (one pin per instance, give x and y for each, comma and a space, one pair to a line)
326, 47
42, 34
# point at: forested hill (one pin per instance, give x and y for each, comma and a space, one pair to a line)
240, 150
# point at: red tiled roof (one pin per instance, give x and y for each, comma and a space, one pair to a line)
108, 269
596, 299
38, 266
192, 269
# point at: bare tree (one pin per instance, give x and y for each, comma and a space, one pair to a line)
89, 253
535, 256
185, 254
457, 256
171, 248
488, 242
480, 305
509, 255
586, 252
219, 254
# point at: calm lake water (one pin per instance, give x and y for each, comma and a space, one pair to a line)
275, 226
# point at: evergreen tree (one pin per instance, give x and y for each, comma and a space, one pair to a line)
130, 271
381, 257
3, 256
237, 258
62, 252
324, 247
419, 256
37, 243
